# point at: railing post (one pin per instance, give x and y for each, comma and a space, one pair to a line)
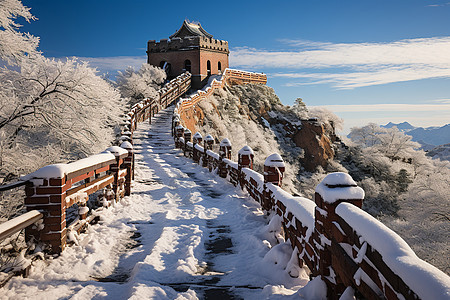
129, 165
224, 152
208, 145
128, 134
334, 189
175, 123
115, 169
179, 132
197, 139
187, 139
245, 160
48, 195
274, 168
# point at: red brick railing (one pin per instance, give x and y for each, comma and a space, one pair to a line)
335, 239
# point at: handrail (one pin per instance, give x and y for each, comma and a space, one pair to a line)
12, 226
10, 186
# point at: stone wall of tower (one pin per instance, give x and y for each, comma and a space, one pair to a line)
177, 59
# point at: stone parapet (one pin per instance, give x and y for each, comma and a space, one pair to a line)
187, 43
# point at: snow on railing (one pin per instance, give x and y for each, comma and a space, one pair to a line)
338, 241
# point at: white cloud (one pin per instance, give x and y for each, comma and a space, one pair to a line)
351, 65
439, 5
390, 108
442, 101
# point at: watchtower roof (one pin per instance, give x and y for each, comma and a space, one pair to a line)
191, 29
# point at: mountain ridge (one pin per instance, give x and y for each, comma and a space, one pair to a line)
434, 135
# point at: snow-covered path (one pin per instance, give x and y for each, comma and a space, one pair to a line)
183, 234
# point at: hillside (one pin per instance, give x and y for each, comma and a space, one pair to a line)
397, 187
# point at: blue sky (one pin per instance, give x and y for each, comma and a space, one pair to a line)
368, 61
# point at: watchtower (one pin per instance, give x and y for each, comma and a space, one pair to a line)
190, 49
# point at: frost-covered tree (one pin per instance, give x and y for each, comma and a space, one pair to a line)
62, 105
14, 45
299, 108
326, 117
393, 143
141, 84
366, 136
64, 95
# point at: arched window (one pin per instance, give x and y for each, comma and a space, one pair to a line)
208, 68
187, 65
219, 66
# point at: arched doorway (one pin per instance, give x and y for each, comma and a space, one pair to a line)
187, 65
208, 68
219, 67
165, 66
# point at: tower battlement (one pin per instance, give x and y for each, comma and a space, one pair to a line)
187, 43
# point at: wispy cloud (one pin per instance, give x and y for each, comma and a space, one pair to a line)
439, 5
390, 107
441, 101
351, 65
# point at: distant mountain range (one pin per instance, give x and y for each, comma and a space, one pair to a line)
429, 137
